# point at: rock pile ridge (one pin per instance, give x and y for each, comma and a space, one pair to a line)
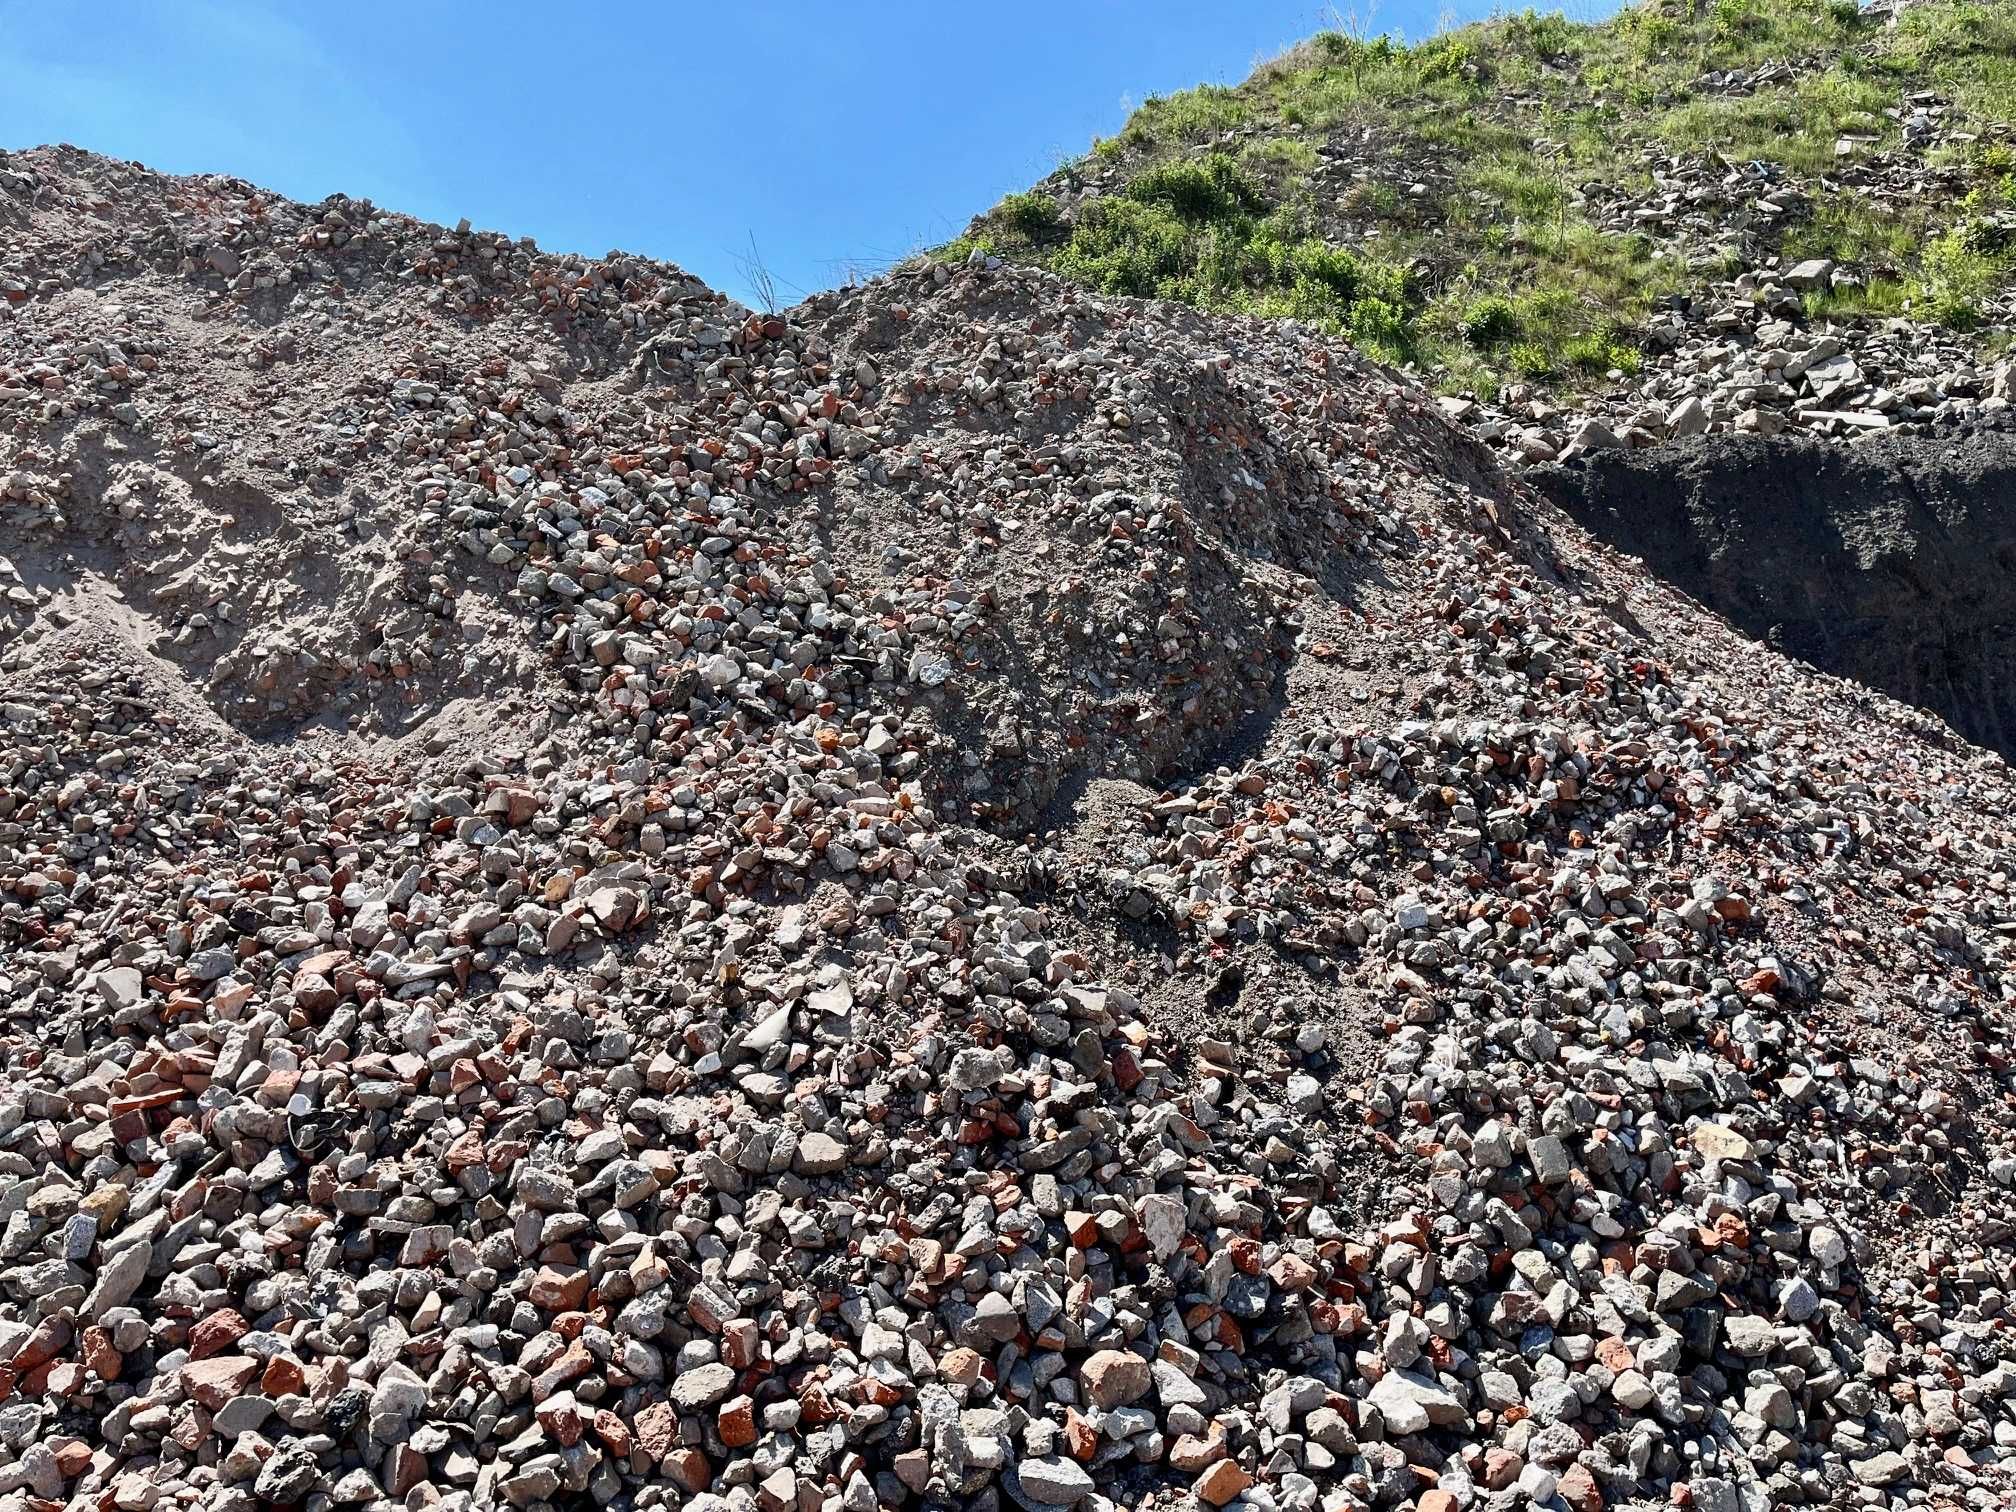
961, 896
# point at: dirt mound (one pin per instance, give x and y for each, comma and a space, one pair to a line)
1002, 898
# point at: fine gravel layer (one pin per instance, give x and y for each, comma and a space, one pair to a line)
1892, 562
961, 896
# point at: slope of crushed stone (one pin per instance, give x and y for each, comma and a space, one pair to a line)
962, 896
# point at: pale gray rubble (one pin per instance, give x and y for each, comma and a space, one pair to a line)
961, 896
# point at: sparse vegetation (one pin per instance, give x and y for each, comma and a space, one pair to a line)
1030, 215
1475, 254
1200, 231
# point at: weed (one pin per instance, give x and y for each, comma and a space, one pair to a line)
1491, 321
1191, 116
1445, 58
1206, 189
1030, 215
961, 248
1382, 328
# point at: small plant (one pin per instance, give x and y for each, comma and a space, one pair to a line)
1381, 327
1595, 353
1377, 198
1031, 214
1530, 361
1331, 269
1490, 322
761, 281
1205, 189
1648, 31
1993, 164
1963, 268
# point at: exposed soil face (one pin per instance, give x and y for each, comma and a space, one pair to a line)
1890, 562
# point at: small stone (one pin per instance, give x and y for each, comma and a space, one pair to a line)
1720, 1142
1687, 418
1114, 1377
1632, 1391
1885, 1469
1578, 1488
1162, 1219
820, 1155
1549, 1157
1749, 1336
1221, 1483
218, 1332
120, 987
1411, 1402
1054, 1480
701, 1386
1593, 435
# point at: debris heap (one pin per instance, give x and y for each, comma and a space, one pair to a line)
962, 896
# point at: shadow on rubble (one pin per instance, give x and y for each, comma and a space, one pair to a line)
1892, 562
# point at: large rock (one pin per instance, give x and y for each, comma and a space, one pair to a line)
1411, 1402
1053, 1481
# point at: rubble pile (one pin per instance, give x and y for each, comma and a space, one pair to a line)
963, 895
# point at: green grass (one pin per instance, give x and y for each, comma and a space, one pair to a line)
1963, 267
1030, 215
1967, 47
1496, 273
1796, 127
1201, 230
1851, 229
1271, 156
1877, 299
1192, 116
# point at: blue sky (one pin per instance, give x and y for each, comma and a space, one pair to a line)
832, 135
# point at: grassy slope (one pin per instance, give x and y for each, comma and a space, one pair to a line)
1425, 199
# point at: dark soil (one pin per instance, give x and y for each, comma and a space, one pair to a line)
1892, 562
